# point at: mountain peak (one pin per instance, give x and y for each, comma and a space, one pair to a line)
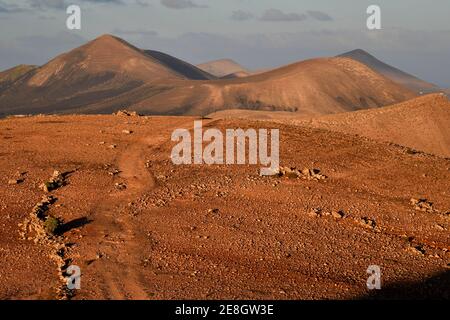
107, 37
401, 77
359, 53
111, 42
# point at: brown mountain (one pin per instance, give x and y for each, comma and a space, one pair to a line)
318, 86
187, 70
399, 76
102, 70
108, 74
422, 123
9, 76
223, 68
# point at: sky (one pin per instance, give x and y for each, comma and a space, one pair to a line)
259, 34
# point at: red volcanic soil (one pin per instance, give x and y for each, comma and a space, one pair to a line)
140, 227
421, 123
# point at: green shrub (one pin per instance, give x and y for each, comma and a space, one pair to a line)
52, 225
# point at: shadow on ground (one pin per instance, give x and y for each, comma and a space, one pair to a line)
436, 287
74, 224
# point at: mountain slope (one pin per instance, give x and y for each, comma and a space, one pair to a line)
223, 67
422, 123
108, 74
106, 54
399, 76
15, 73
187, 70
101, 69
9, 76
318, 86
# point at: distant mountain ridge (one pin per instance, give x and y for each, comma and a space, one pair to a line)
108, 74
224, 68
187, 70
397, 75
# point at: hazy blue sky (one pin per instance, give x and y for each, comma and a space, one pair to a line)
257, 33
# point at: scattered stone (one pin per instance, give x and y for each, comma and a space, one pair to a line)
126, 113
306, 174
422, 205
410, 151
56, 181
112, 146
40, 227
338, 214
417, 249
14, 181
315, 213
17, 178
318, 212
160, 203
120, 186
127, 131
368, 223
113, 172
221, 194
213, 211
42, 206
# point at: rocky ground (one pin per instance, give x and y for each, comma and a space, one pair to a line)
140, 227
